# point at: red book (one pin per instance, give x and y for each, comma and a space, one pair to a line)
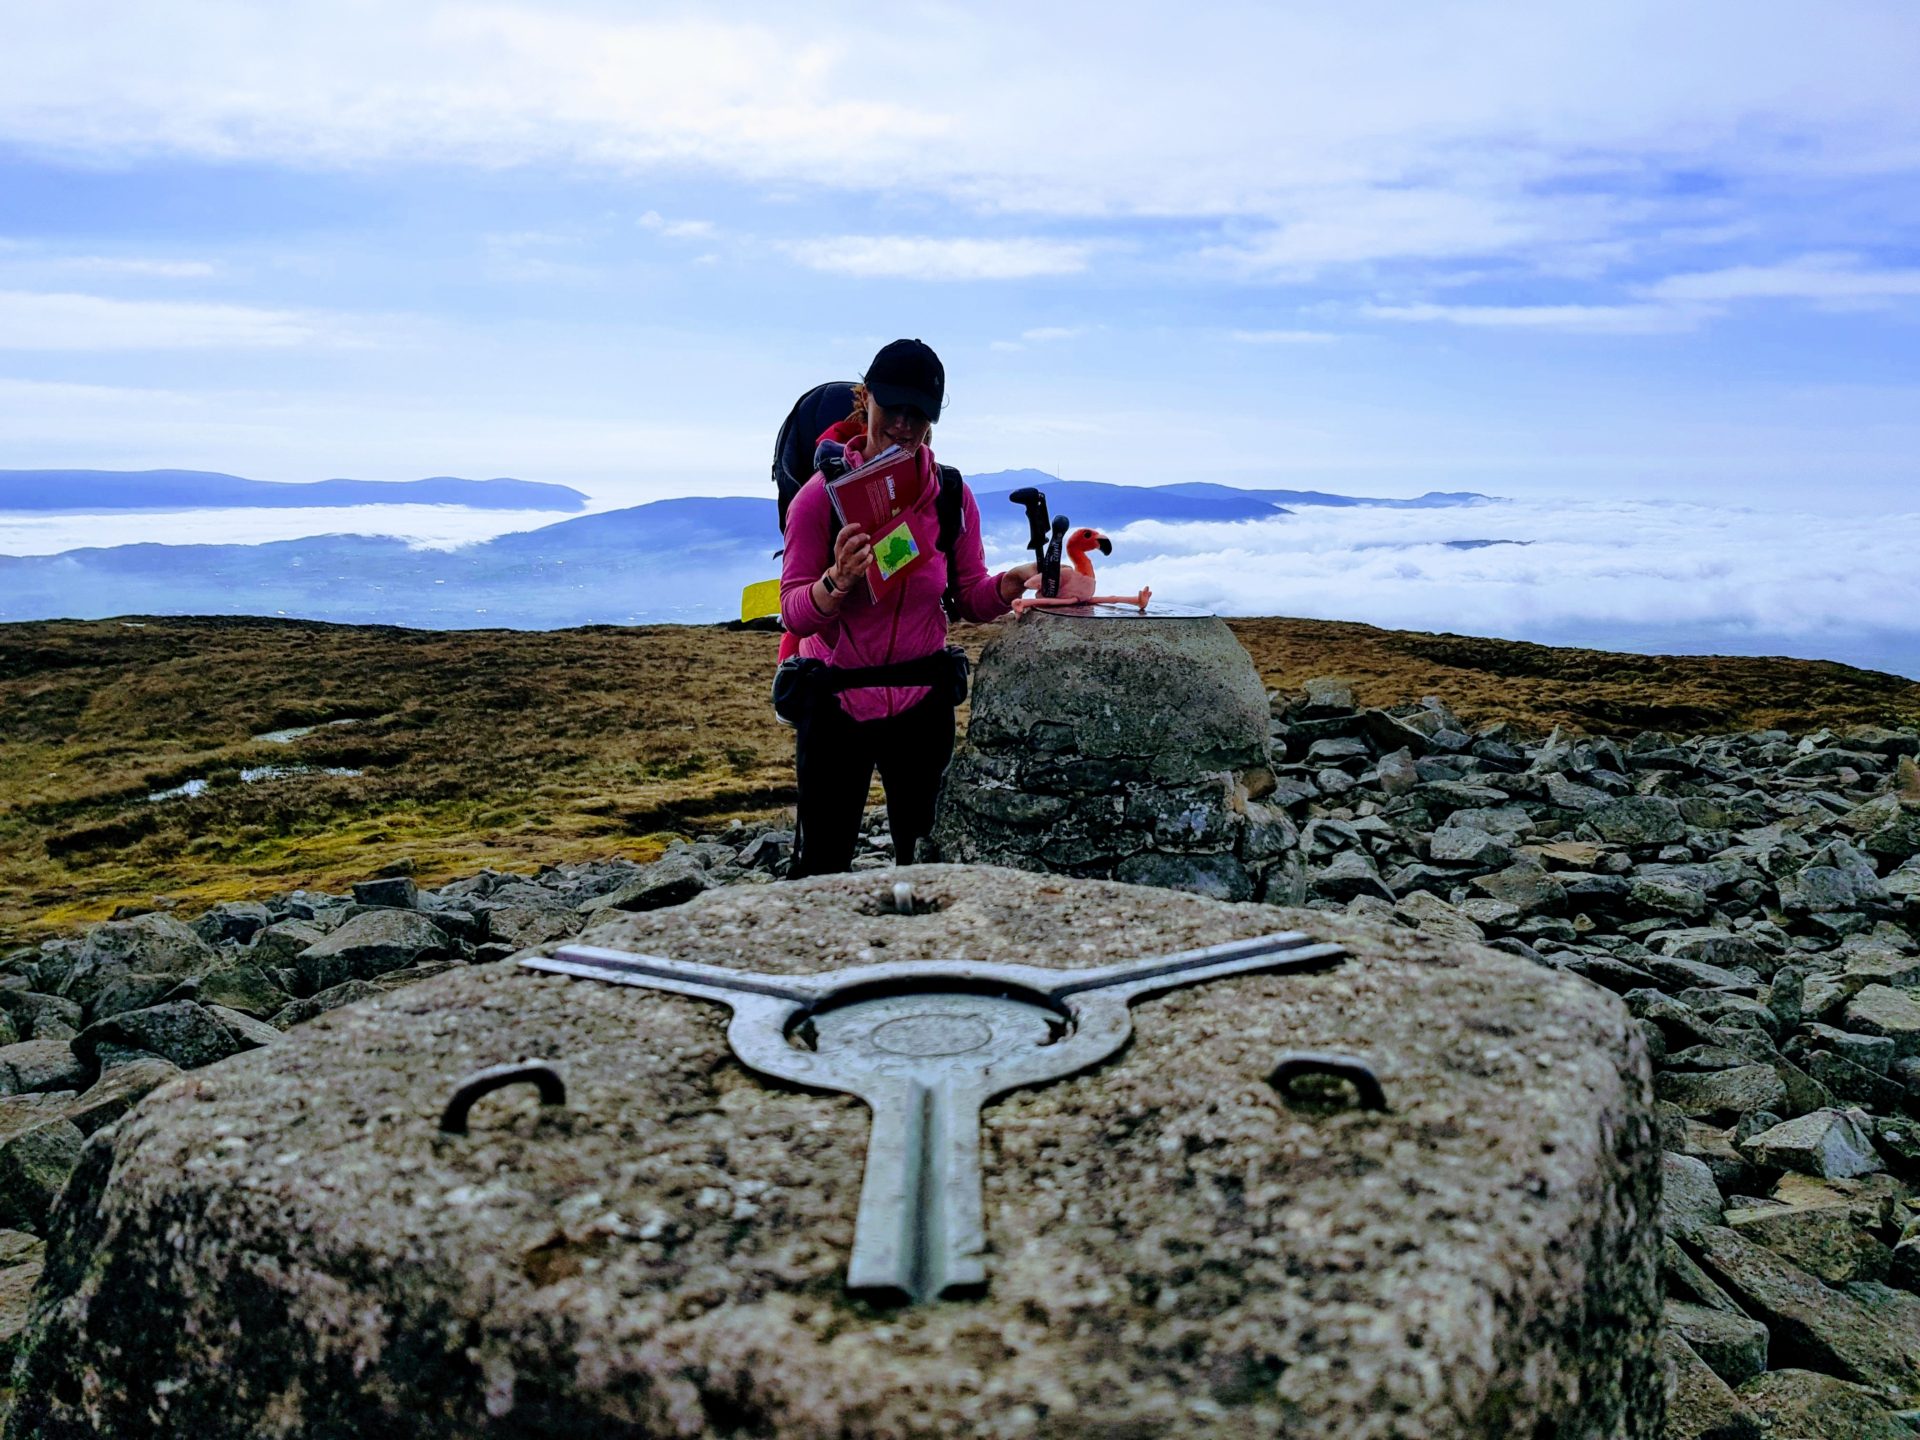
875, 497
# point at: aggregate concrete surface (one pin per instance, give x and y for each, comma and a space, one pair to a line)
283, 1244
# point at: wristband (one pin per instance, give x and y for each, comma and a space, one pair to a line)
827, 580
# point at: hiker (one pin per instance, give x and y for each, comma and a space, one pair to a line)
902, 722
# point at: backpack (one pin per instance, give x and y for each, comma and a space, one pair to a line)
795, 459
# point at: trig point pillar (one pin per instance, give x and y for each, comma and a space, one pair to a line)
1122, 747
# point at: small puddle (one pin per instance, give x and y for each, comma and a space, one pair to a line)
187, 789
184, 791
287, 737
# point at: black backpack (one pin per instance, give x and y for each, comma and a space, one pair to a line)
795, 459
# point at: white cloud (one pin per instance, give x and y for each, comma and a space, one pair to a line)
676, 229
121, 265
1337, 138
34, 321
1577, 319
1699, 575
517, 255
917, 257
39, 259
1038, 335
1282, 337
1355, 225
1835, 279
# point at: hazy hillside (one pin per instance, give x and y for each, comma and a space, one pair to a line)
84, 491
672, 560
218, 758
1433, 499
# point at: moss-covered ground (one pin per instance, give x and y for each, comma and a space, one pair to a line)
518, 748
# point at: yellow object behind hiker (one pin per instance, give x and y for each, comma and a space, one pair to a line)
760, 600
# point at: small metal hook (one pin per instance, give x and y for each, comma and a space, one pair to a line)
1351, 1068
553, 1090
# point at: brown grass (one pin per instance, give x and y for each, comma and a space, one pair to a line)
516, 748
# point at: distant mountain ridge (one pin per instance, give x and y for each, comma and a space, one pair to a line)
84, 491
671, 560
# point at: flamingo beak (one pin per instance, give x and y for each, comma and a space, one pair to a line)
1106, 545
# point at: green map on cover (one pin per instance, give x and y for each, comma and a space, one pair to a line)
895, 550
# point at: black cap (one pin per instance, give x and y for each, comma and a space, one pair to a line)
907, 372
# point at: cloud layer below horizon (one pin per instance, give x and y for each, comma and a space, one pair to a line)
1623, 574
1619, 573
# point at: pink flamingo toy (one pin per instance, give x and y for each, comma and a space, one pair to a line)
1077, 583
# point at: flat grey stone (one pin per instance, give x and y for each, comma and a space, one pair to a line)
1719, 1094
283, 941
1870, 1052
1525, 885
1459, 845
1688, 1195
1734, 1347
523, 926
236, 920
1892, 1014
17, 1279
156, 945
241, 985
1882, 967
371, 944
188, 1034
1806, 1405
1666, 895
1637, 820
34, 1065
1680, 974
1220, 876
1431, 915
1832, 1144
245, 1029
1811, 1324
1700, 1405
397, 892
1710, 946
34, 1164
673, 880
117, 1091
1824, 1241
665, 1254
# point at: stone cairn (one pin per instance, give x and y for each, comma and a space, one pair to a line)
1753, 898
1119, 749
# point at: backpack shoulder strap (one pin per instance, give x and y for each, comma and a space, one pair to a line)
949, 510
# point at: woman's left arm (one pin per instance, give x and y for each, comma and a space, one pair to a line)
982, 596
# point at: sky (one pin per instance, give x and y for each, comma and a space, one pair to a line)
1623, 252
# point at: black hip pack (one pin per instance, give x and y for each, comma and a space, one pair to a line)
803, 682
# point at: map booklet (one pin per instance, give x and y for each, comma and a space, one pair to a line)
874, 497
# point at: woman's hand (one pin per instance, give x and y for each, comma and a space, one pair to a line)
1013, 581
852, 554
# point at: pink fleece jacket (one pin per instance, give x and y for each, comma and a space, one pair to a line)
905, 625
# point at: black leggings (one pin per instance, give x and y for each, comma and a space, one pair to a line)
835, 758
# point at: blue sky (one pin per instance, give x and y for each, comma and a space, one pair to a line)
1640, 250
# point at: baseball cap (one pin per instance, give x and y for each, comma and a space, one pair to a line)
907, 372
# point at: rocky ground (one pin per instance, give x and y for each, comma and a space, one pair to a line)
1753, 897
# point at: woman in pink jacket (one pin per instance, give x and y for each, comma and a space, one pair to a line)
894, 719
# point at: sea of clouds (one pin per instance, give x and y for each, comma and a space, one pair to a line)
1625, 574
1620, 574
